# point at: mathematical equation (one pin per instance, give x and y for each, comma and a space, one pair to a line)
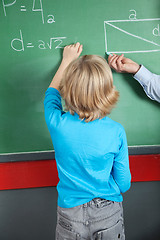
36, 7
17, 44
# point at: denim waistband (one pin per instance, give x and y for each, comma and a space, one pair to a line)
97, 202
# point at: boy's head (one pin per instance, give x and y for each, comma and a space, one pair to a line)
87, 88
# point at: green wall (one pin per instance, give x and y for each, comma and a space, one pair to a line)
30, 54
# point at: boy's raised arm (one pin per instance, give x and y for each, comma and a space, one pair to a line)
70, 53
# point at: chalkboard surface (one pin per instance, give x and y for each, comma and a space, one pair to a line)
33, 34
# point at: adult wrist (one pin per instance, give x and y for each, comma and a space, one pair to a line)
137, 67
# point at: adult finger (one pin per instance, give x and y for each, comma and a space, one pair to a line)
120, 63
113, 63
111, 58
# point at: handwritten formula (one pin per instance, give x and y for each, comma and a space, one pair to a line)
35, 8
19, 44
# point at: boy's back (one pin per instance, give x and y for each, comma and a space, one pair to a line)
85, 153
90, 149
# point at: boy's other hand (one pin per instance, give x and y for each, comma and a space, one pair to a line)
71, 52
122, 64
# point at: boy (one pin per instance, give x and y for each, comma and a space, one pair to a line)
90, 149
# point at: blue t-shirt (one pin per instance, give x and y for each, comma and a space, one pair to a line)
92, 158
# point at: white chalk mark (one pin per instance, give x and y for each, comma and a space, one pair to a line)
143, 51
60, 42
55, 39
29, 45
6, 5
38, 9
18, 40
131, 20
105, 36
133, 15
51, 19
133, 35
156, 31
42, 11
23, 9
134, 20
41, 45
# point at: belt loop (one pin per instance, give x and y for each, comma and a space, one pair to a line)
99, 236
85, 205
91, 203
98, 204
78, 237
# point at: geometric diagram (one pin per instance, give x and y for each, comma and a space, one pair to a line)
111, 26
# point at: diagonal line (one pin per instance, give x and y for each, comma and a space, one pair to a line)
132, 34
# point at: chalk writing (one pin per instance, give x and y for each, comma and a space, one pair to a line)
29, 45
23, 9
20, 41
7, 5
36, 7
50, 19
17, 44
156, 31
112, 24
133, 15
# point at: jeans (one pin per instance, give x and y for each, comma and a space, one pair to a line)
95, 220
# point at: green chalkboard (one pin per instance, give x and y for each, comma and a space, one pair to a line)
33, 34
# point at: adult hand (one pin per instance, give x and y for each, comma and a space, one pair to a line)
122, 64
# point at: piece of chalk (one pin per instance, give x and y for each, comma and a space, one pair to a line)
108, 53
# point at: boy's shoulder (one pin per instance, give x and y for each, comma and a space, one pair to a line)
118, 126
109, 120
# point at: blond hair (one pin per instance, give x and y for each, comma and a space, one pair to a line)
87, 88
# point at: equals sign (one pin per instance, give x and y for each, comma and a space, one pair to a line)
30, 45
23, 9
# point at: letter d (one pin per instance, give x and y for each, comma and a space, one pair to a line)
156, 31
18, 40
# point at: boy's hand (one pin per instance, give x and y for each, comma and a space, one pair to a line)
71, 52
122, 64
